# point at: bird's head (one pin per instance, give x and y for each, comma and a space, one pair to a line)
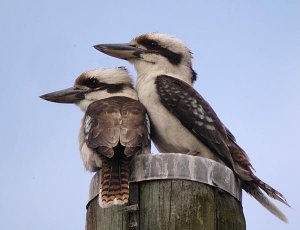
95, 85
155, 53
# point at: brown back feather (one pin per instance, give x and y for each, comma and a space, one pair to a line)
116, 129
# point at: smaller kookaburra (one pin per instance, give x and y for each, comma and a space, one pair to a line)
114, 128
181, 119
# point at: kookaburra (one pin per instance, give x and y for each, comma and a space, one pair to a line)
182, 121
114, 128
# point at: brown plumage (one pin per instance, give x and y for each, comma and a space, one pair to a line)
116, 129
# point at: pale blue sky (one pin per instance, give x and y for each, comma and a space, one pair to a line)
246, 54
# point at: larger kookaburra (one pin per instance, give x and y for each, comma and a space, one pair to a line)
182, 121
114, 128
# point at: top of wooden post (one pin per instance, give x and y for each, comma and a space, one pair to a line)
179, 166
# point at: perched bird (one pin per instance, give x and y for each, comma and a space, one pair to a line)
182, 121
114, 128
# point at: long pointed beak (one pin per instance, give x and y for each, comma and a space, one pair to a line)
122, 51
69, 95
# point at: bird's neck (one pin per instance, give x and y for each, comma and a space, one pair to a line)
100, 95
148, 72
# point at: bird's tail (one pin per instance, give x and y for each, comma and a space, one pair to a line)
252, 184
254, 188
114, 180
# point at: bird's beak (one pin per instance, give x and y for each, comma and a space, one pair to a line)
124, 51
69, 95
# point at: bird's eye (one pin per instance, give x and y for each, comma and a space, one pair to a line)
92, 83
153, 45
150, 44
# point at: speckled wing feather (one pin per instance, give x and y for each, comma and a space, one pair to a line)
195, 114
135, 128
116, 128
102, 126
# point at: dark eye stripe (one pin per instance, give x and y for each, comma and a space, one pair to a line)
174, 58
151, 44
194, 75
92, 83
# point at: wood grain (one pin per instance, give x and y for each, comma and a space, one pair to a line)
170, 204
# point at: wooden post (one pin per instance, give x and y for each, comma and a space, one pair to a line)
172, 191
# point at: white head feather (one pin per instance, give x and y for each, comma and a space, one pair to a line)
110, 76
152, 64
119, 75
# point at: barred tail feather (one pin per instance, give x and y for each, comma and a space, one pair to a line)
255, 191
114, 181
271, 191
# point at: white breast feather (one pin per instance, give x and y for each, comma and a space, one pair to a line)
91, 161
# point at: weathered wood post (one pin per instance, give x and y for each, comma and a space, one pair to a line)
173, 191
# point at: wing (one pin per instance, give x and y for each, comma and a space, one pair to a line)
102, 126
135, 130
195, 114
230, 135
117, 120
